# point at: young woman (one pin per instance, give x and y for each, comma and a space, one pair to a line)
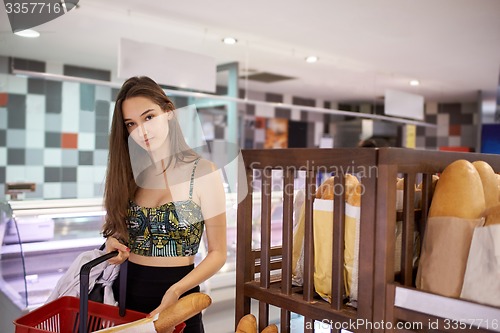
159, 197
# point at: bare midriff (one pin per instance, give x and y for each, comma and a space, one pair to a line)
161, 261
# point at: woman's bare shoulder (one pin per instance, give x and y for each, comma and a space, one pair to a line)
205, 167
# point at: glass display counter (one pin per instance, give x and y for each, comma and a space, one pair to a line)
39, 241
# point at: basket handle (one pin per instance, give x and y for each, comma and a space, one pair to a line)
84, 288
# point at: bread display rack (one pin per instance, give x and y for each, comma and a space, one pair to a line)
385, 299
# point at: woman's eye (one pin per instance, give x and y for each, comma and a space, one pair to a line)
129, 124
149, 117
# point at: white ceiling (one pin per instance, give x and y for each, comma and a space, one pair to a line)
364, 46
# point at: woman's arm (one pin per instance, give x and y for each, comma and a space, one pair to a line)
112, 244
210, 192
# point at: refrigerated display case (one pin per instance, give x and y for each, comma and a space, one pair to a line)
39, 241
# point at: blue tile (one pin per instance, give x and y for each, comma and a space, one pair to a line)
87, 97
15, 156
114, 93
3, 118
101, 126
34, 156
101, 141
53, 99
16, 138
102, 93
36, 86
87, 122
53, 122
85, 158
52, 140
102, 109
69, 157
52, 174
69, 174
100, 157
16, 109
69, 190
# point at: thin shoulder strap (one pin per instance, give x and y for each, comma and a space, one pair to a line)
192, 179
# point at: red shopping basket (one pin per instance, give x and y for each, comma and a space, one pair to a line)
64, 314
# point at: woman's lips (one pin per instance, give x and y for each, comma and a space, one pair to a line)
147, 141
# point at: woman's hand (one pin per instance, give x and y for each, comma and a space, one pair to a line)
112, 244
168, 299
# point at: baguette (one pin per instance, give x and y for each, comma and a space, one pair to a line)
497, 176
492, 215
247, 324
185, 308
352, 190
400, 183
459, 192
435, 179
270, 329
143, 324
325, 190
489, 181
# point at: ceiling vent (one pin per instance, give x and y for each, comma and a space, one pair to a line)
266, 77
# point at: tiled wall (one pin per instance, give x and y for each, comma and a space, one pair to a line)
315, 120
456, 126
54, 134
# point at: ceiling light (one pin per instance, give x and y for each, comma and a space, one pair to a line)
29, 33
311, 59
230, 40
414, 83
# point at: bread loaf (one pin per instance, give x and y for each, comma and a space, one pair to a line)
247, 324
352, 190
400, 183
140, 325
492, 215
489, 181
325, 190
270, 329
497, 176
459, 192
185, 308
435, 179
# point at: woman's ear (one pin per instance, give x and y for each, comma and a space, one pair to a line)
170, 114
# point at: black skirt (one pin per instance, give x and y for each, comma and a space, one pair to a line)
146, 286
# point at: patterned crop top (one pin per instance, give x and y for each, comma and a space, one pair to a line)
173, 229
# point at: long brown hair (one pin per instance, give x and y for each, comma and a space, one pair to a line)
120, 185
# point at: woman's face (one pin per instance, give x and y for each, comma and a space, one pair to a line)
146, 122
